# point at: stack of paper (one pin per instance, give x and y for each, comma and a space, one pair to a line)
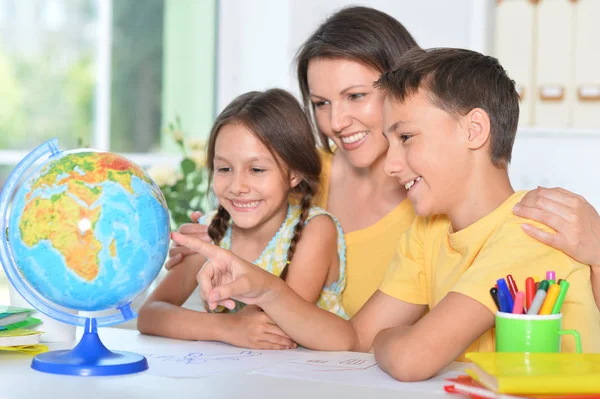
15, 334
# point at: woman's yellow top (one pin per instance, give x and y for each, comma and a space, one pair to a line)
368, 251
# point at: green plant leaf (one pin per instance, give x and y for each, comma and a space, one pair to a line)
188, 166
179, 186
198, 179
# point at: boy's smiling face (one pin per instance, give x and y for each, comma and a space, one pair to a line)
428, 153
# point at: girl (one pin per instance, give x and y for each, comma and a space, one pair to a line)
336, 68
261, 153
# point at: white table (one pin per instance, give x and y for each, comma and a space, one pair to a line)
19, 381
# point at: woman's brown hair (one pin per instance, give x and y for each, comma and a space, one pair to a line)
277, 120
362, 34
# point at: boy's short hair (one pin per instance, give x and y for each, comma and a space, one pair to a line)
458, 81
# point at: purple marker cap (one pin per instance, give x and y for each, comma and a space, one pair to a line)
550, 275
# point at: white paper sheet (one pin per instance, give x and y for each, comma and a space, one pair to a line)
351, 368
201, 359
330, 361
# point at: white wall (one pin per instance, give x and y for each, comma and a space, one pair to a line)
253, 47
558, 159
259, 38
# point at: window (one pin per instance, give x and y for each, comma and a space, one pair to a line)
103, 73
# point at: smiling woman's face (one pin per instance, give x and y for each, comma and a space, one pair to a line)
348, 109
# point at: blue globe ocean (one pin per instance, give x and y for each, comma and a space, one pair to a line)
88, 230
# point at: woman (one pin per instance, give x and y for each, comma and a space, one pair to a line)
337, 66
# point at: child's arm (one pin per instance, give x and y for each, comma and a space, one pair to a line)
318, 329
163, 315
226, 276
418, 352
316, 260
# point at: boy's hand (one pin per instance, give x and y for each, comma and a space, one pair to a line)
225, 276
252, 328
576, 222
177, 252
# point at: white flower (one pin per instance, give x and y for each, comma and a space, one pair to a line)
177, 135
199, 158
196, 144
164, 175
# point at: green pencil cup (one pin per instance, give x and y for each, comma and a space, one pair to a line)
531, 333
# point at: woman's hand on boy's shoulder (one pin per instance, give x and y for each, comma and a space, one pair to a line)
576, 222
252, 328
194, 229
225, 277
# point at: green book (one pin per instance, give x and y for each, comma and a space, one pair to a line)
28, 322
13, 314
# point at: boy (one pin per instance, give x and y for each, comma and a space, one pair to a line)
450, 116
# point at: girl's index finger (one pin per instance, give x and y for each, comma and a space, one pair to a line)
200, 246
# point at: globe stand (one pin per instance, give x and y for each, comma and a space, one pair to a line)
38, 269
89, 358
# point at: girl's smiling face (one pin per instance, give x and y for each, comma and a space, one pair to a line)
248, 181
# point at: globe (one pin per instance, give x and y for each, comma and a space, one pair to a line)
85, 230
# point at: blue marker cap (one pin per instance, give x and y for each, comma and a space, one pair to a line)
503, 287
504, 305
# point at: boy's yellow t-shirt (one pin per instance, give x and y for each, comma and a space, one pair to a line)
431, 261
368, 251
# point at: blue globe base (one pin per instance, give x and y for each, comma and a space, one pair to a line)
89, 358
